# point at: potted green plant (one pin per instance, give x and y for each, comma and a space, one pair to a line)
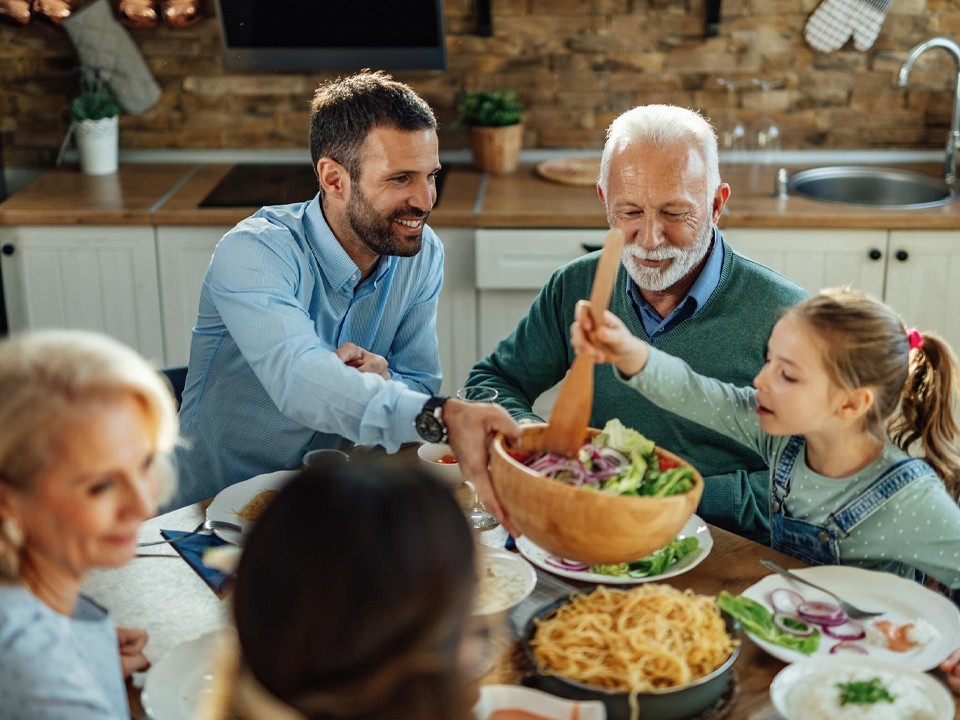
94, 116
494, 119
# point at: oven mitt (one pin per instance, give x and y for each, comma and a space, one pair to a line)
834, 21
104, 44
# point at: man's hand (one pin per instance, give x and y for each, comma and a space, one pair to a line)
951, 667
132, 642
471, 426
363, 360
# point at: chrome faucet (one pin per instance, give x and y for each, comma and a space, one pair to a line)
951, 168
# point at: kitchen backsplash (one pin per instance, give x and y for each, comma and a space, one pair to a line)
576, 63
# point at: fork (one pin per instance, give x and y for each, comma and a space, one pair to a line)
851, 610
205, 525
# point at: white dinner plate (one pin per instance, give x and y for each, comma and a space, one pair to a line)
899, 599
694, 527
177, 681
231, 500
814, 672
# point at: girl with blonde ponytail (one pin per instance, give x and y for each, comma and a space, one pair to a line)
845, 395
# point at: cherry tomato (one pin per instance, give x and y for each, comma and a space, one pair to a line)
447, 459
518, 456
667, 463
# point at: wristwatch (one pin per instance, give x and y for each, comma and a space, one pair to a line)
429, 422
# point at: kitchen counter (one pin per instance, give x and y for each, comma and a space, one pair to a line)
160, 194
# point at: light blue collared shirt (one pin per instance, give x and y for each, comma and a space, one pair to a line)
700, 292
264, 385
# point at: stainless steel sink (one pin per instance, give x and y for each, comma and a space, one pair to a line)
873, 187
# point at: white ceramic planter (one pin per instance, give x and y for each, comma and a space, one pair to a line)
97, 145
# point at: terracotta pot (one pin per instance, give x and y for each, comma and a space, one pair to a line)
496, 149
583, 524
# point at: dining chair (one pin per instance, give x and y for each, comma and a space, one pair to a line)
177, 377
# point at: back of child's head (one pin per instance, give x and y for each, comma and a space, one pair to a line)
914, 375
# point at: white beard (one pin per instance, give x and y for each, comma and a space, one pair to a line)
659, 279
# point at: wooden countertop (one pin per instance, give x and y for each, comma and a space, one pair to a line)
159, 194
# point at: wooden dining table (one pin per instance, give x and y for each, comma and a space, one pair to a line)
161, 593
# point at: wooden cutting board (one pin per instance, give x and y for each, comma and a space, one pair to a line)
571, 171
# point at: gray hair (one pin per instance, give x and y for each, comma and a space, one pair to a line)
662, 125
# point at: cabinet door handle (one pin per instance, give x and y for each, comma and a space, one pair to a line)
9, 249
902, 255
591, 247
874, 254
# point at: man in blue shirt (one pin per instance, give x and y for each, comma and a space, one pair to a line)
317, 320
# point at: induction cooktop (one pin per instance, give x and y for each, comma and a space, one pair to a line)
256, 185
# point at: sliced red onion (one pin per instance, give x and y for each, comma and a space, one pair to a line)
785, 601
565, 564
847, 646
786, 623
850, 630
821, 613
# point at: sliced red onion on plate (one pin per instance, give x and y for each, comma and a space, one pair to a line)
821, 613
847, 646
565, 564
792, 625
785, 601
850, 630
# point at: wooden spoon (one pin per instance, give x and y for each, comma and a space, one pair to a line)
567, 428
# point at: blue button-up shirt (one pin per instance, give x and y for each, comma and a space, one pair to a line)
700, 292
264, 385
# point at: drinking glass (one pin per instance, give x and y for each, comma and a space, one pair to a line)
477, 517
766, 135
732, 132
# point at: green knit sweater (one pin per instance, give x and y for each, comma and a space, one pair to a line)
725, 339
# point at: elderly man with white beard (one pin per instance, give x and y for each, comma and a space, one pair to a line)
680, 287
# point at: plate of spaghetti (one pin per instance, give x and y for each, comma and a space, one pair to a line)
674, 559
242, 503
649, 651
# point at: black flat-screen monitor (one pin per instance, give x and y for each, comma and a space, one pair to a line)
317, 35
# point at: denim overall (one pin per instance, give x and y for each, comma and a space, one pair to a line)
820, 545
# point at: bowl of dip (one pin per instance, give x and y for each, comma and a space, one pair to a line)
842, 687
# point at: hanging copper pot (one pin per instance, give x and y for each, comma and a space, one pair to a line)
17, 11
180, 13
56, 11
139, 13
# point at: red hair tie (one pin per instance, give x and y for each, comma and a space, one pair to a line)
915, 338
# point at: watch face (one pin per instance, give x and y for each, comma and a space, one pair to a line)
429, 428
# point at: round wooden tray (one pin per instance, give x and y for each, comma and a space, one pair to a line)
571, 171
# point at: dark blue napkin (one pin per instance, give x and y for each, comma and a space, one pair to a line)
191, 549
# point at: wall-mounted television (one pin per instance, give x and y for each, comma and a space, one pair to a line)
318, 35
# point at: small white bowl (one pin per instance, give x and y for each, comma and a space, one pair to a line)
505, 580
448, 473
801, 677
549, 707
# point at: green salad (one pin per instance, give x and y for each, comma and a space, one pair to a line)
655, 563
756, 619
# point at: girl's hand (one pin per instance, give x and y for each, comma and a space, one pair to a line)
610, 342
951, 668
132, 642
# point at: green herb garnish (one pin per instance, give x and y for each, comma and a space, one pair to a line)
864, 692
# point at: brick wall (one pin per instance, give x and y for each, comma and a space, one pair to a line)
576, 63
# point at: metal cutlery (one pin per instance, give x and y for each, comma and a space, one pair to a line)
204, 528
851, 610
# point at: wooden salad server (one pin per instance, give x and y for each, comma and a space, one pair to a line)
567, 428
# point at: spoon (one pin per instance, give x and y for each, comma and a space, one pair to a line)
567, 428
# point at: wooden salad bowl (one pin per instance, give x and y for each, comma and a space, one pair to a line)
583, 524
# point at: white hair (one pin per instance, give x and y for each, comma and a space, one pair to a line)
662, 125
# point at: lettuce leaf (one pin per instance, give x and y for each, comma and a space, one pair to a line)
756, 619
656, 563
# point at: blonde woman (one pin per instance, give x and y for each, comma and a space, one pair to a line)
85, 426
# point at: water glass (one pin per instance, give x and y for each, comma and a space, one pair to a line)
477, 517
478, 393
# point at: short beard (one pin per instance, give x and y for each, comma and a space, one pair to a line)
376, 231
684, 260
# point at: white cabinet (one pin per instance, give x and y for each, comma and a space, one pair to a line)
91, 278
916, 272
183, 254
457, 308
512, 266
923, 280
